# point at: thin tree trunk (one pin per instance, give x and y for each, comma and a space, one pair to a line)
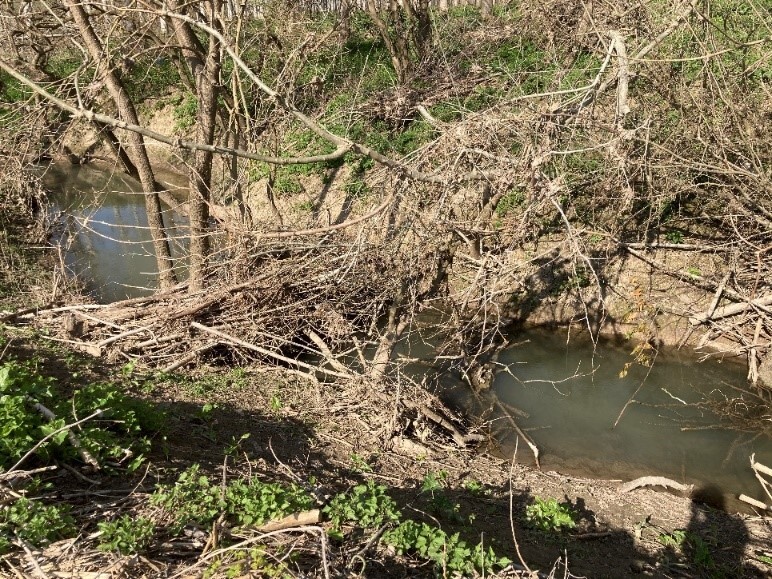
138, 152
206, 74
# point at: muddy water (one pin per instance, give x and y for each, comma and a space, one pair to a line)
573, 395
103, 231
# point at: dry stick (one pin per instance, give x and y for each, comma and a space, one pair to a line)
632, 398
85, 455
512, 511
241, 545
528, 440
191, 356
122, 335
28, 551
753, 356
697, 281
325, 351
266, 352
758, 469
711, 308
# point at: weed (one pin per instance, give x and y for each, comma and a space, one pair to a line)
683, 540
34, 522
116, 435
550, 516
192, 499
127, 535
674, 237
247, 563
367, 505
360, 463
509, 202
434, 481
255, 502
357, 189
448, 552
286, 185
185, 112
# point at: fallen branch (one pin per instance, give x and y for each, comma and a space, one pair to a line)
265, 352
732, 310
655, 481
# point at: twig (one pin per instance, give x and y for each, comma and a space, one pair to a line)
73, 439
512, 511
24, 545
266, 352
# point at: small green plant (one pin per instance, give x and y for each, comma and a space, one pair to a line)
434, 481
357, 189
192, 499
127, 535
359, 463
550, 516
34, 522
449, 553
255, 502
685, 540
115, 436
367, 505
247, 563
286, 185
674, 237
509, 202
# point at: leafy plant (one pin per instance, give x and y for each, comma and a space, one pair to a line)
192, 499
448, 552
367, 505
34, 522
127, 535
256, 502
434, 481
114, 436
550, 516
247, 563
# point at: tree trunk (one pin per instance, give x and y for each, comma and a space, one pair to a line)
138, 152
206, 74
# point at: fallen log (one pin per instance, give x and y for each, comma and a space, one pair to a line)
731, 310
655, 481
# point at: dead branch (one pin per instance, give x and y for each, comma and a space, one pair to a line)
658, 481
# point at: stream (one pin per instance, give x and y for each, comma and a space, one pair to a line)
571, 392
103, 232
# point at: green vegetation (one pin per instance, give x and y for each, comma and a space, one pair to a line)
366, 505
34, 522
126, 535
193, 499
550, 516
448, 552
32, 413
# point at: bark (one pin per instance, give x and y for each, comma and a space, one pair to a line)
138, 153
206, 72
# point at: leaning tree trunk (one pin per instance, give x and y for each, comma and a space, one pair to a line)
139, 156
206, 74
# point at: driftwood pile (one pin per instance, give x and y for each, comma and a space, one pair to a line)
276, 306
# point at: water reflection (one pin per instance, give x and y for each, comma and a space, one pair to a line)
105, 234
